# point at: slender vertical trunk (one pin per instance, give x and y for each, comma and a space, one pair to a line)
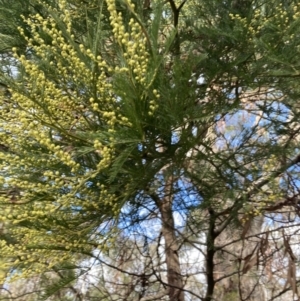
210, 243
174, 276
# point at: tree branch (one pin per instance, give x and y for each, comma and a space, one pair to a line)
155, 297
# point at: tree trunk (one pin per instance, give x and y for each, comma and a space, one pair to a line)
174, 276
239, 285
210, 244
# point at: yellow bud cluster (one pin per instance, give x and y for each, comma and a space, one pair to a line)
105, 153
283, 20
106, 158
65, 15
153, 105
49, 111
62, 103
132, 42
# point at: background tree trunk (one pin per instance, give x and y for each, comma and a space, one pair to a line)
174, 276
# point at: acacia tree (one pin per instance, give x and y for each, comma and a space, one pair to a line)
150, 131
